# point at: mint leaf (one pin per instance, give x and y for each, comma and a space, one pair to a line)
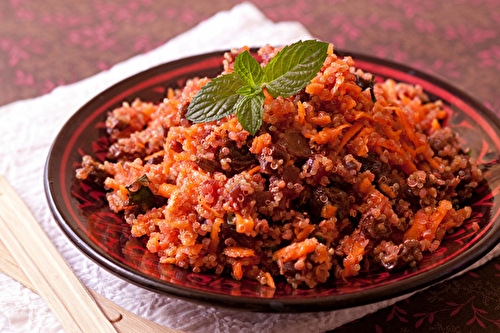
249, 111
216, 99
291, 56
294, 67
248, 69
246, 90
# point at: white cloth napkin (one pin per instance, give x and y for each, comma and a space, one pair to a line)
28, 128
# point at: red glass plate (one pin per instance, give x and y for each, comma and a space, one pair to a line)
82, 213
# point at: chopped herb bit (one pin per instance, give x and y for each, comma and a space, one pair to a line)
230, 218
371, 84
320, 239
140, 194
367, 84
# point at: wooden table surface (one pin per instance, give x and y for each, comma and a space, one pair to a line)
45, 44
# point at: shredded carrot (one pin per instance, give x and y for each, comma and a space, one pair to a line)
166, 190
405, 121
328, 211
260, 142
170, 93
153, 242
348, 135
296, 250
269, 280
190, 250
352, 87
159, 153
407, 148
424, 226
391, 134
433, 163
365, 186
303, 233
362, 114
387, 190
315, 88
409, 167
214, 235
435, 124
301, 112
113, 184
329, 51
354, 248
320, 120
238, 252
390, 144
327, 134
184, 156
243, 224
238, 269
203, 203
254, 170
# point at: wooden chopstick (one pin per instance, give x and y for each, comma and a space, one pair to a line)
122, 320
49, 273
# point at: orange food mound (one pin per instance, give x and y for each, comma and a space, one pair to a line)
332, 183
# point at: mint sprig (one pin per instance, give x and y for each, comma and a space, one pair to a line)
242, 91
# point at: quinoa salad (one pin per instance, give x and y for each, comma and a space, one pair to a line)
346, 175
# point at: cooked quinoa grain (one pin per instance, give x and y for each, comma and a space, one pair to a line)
331, 184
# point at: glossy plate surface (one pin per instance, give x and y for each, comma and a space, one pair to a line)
83, 215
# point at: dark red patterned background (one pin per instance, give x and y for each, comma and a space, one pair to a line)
45, 44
